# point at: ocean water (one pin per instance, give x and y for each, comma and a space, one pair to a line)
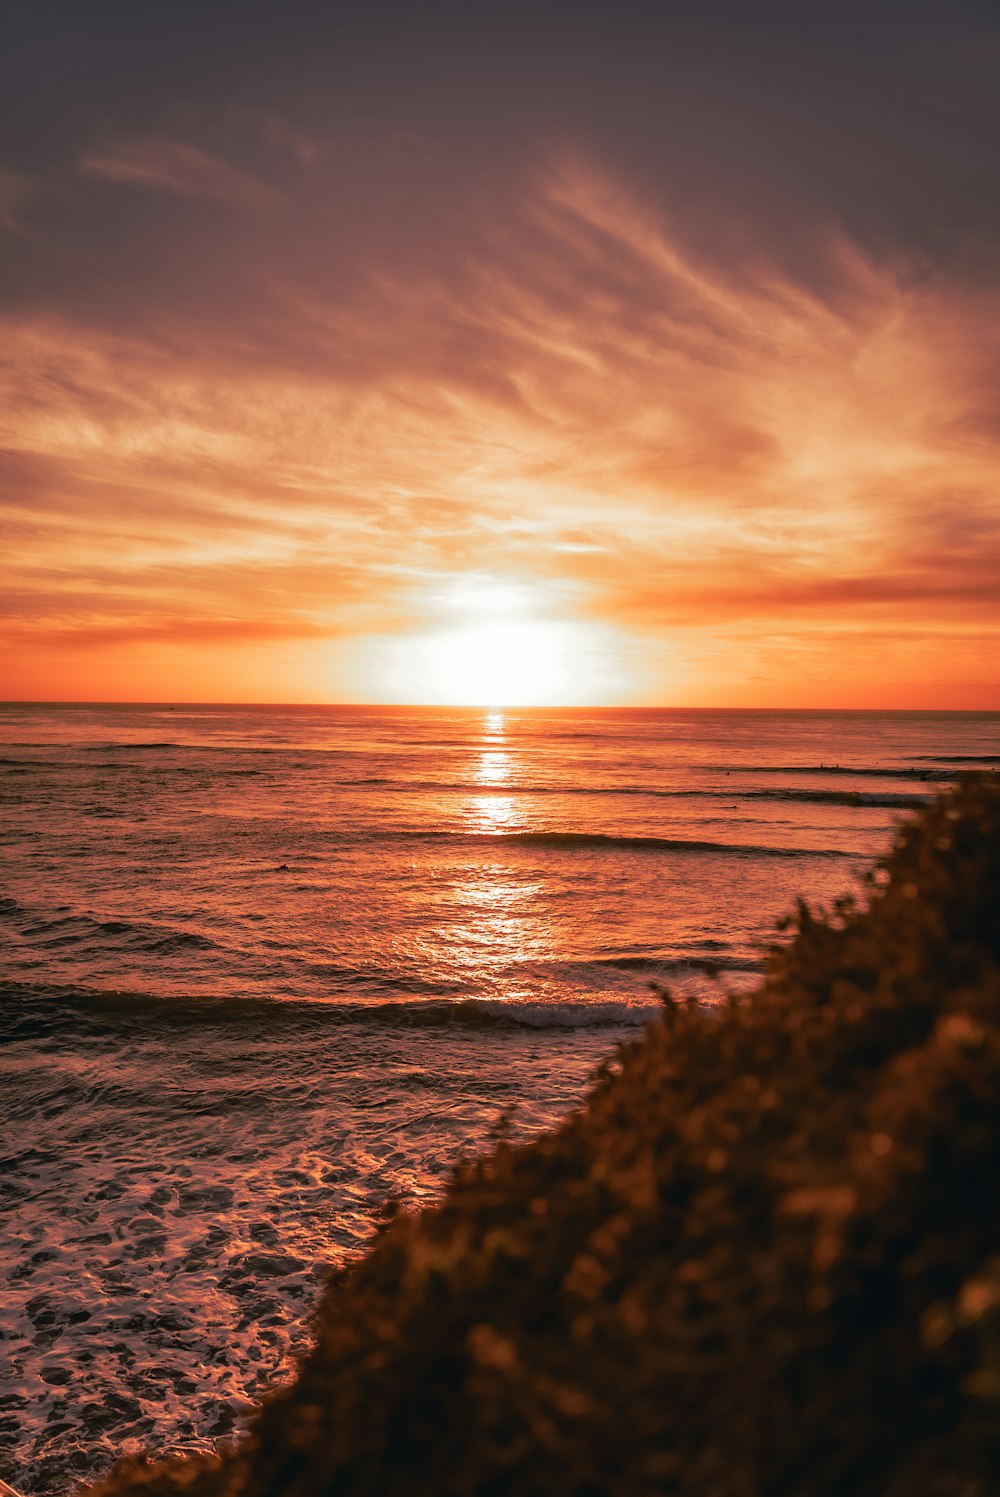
262, 969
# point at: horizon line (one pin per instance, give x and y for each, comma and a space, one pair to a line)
485, 706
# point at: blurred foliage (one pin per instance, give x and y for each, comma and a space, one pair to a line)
763, 1259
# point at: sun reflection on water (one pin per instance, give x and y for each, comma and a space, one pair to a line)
493, 813
503, 933
493, 767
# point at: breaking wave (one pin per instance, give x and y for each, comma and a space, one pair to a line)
608, 840
35, 1009
67, 928
882, 800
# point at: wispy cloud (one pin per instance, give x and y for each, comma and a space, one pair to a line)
172, 166
733, 466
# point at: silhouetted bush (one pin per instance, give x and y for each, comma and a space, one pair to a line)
763, 1259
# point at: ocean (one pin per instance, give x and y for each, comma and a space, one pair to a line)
264, 969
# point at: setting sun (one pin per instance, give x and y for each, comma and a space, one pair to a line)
501, 662
496, 642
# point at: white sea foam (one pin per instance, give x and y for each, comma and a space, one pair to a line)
173, 1196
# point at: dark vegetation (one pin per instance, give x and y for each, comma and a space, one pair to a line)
764, 1259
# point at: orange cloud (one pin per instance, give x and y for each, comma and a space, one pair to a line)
750, 480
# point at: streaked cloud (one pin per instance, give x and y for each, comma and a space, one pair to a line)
751, 476
172, 166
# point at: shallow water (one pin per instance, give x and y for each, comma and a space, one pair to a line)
264, 968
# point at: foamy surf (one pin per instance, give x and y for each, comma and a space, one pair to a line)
180, 1176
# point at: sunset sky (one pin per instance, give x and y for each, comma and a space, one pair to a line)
614, 353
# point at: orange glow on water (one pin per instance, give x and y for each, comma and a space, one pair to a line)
494, 767
493, 813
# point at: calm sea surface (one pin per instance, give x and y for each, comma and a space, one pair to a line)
262, 968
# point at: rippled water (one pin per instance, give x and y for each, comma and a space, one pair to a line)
264, 968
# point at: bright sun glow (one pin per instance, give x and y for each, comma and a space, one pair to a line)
515, 662
494, 646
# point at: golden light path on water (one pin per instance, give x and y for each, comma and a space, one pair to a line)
506, 924
494, 812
